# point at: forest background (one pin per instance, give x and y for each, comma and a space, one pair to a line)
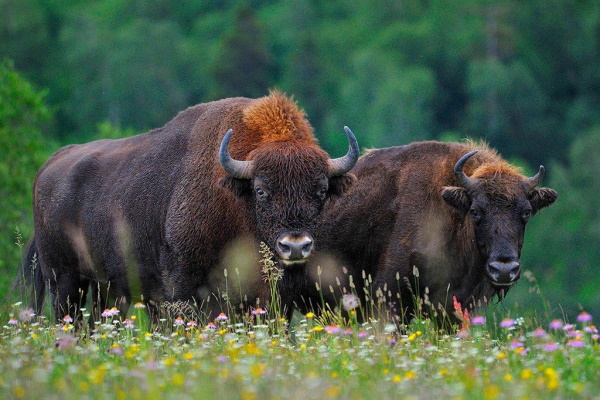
524, 76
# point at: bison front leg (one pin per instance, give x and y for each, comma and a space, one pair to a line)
68, 293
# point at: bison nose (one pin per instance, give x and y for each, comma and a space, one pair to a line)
294, 248
504, 273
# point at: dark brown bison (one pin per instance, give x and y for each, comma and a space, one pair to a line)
154, 213
432, 221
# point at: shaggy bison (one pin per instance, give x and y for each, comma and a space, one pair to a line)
432, 221
153, 214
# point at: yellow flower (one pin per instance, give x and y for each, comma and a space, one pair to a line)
178, 380
257, 370
410, 375
188, 356
508, 377
526, 374
318, 328
501, 356
169, 361
18, 391
491, 392
332, 391
247, 395
412, 337
309, 315
84, 386
397, 378
302, 346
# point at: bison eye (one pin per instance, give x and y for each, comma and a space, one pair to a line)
475, 215
526, 215
260, 193
322, 192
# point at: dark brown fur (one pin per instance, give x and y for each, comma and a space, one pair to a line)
406, 211
154, 214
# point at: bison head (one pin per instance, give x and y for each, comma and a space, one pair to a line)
499, 204
285, 185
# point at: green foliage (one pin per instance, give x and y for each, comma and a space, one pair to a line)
23, 150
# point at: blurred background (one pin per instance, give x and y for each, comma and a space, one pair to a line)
525, 76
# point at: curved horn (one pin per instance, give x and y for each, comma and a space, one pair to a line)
460, 175
339, 166
235, 168
535, 180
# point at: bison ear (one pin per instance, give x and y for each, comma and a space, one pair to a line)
338, 185
542, 197
457, 197
239, 187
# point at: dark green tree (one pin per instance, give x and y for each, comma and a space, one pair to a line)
23, 150
244, 66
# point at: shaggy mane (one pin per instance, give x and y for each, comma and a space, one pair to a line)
492, 164
276, 117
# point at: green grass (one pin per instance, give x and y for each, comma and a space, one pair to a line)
246, 359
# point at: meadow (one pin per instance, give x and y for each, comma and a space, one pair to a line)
258, 355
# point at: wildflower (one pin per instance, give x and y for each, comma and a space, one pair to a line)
128, 324
139, 305
350, 302
362, 334
332, 329
507, 323
464, 318
573, 333
595, 336
222, 317
192, 324
26, 314
318, 328
179, 321
576, 343
390, 328
478, 320
568, 327
551, 346
590, 329
539, 333
116, 350
310, 315
516, 344
348, 331
259, 311
556, 324
13, 321
222, 359
65, 341
210, 325
106, 313
67, 319
584, 317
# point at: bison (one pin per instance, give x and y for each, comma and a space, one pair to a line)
153, 214
431, 221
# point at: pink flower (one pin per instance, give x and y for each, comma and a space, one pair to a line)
362, 334
577, 343
551, 346
179, 321
259, 311
539, 333
516, 344
573, 333
568, 327
128, 324
555, 324
590, 329
13, 321
584, 317
192, 324
222, 317
67, 319
478, 320
507, 323
348, 332
210, 325
595, 336
332, 329
106, 313
26, 314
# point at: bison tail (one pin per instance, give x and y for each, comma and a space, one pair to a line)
30, 280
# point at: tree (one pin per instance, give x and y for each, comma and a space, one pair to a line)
23, 149
244, 66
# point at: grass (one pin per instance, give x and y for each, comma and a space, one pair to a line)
257, 355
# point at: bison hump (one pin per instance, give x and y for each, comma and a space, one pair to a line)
276, 118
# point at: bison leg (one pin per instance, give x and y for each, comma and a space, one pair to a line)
68, 296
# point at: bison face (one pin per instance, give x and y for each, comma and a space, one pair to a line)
498, 205
285, 191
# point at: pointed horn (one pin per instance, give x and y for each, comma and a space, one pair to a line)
339, 166
460, 175
235, 168
537, 178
